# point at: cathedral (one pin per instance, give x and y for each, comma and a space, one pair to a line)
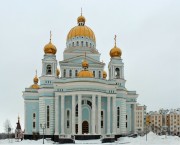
74, 95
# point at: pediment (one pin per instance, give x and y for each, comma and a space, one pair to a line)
79, 59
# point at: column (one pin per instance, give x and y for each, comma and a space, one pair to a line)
62, 114
73, 113
99, 114
93, 118
108, 114
134, 117
114, 115
79, 114
56, 115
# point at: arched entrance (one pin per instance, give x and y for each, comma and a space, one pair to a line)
85, 127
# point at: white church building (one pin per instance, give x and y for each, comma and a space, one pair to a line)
80, 100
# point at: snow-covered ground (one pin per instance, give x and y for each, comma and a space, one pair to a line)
152, 139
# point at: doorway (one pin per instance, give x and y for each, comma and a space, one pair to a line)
85, 127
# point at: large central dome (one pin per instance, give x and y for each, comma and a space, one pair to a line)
81, 30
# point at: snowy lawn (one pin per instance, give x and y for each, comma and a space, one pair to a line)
152, 139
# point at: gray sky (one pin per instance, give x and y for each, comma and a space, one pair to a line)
148, 33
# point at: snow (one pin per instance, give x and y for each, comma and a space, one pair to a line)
152, 139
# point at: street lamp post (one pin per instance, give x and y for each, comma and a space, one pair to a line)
43, 127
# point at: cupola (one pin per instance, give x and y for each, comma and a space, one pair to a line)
50, 48
115, 51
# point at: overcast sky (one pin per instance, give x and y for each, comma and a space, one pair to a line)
148, 33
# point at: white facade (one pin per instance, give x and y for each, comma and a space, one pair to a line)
76, 105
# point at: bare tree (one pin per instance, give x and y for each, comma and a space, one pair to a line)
7, 126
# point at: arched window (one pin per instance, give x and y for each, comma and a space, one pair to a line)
76, 73
118, 116
77, 43
94, 73
64, 73
48, 70
90, 45
117, 73
34, 116
70, 73
89, 103
82, 43
73, 44
86, 44
48, 117
99, 74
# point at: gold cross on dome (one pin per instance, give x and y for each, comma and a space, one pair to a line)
115, 40
50, 36
36, 72
85, 55
81, 11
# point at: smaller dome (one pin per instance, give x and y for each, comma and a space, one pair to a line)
115, 51
57, 72
104, 74
35, 85
85, 74
50, 48
85, 64
81, 19
35, 79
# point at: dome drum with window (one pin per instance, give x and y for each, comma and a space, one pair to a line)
81, 35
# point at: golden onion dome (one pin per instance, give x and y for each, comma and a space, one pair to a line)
85, 74
35, 80
81, 30
34, 86
57, 72
115, 51
50, 48
85, 64
104, 74
81, 19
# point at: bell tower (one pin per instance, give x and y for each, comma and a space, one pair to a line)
116, 66
49, 62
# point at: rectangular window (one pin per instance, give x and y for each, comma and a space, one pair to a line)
34, 124
82, 43
64, 74
67, 123
76, 110
99, 74
94, 73
48, 117
70, 73
126, 124
76, 73
76, 128
118, 116
102, 116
